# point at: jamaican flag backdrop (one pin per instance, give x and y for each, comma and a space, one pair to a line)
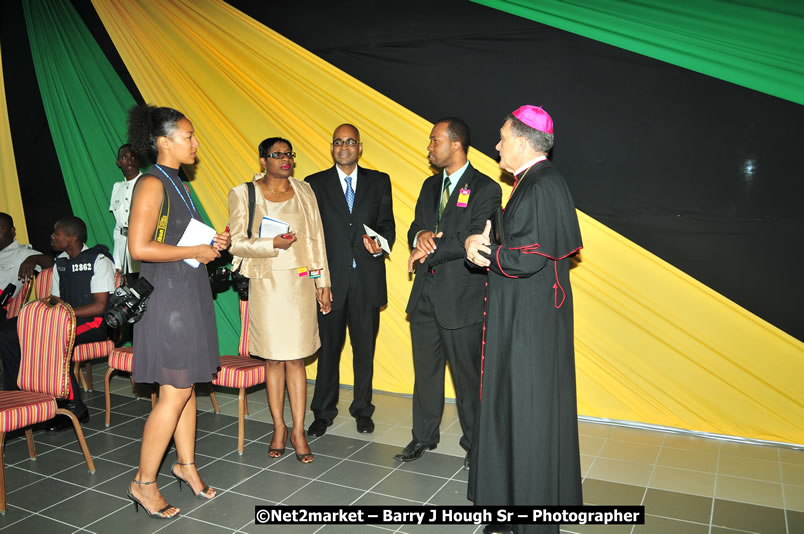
653, 344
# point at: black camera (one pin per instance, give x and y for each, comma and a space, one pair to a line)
128, 303
218, 279
240, 283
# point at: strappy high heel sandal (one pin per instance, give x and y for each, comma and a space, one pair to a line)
201, 494
306, 458
154, 515
277, 453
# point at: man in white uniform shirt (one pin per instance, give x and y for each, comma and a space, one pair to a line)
129, 162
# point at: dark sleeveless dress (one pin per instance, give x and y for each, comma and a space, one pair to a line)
176, 341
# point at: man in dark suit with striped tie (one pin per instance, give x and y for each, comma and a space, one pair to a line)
446, 302
349, 197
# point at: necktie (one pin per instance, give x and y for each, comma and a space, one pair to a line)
444, 198
350, 193
350, 201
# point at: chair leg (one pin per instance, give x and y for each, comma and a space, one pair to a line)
88, 369
241, 420
31, 447
2, 474
214, 400
78, 376
106, 383
153, 396
245, 402
80, 434
134, 386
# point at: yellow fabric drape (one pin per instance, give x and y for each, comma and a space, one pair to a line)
10, 198
653, 345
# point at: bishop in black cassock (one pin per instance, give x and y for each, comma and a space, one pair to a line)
526, 445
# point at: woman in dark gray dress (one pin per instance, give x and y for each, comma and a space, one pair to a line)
176, 342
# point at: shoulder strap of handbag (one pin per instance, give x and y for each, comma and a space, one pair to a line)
252, 200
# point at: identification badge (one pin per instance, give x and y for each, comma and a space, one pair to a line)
302, 272
315, 274
463, 198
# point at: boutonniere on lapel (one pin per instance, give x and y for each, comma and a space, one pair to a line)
463, 196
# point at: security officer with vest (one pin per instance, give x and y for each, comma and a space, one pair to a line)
83, 277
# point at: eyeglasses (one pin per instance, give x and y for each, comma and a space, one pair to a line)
280, 155
347, 142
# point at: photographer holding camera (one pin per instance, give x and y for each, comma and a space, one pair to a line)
176, 341
83, 277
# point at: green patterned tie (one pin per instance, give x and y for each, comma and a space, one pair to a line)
444, 198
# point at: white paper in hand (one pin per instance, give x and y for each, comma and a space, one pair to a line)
383, 242
273, 227
196, 233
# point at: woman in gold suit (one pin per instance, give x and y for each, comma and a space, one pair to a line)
288, 277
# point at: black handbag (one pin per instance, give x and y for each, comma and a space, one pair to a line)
240, 281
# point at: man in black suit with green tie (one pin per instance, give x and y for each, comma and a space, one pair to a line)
446, 302
349, 197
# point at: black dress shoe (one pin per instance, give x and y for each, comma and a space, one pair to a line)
492, 528
413, 451
318, 428
61, 422
364, 424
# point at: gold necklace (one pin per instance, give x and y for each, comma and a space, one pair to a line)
274, 191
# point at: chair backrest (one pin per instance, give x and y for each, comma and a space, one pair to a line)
14, 305
42, 283
242, 349
47, 334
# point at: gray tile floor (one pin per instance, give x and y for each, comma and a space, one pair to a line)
670, 474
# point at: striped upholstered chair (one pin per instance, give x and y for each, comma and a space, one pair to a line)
42, 283
47, 334
86, 352
120, 359
240, 372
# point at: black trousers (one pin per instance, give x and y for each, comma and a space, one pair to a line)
11, 354
433, 347
363, 322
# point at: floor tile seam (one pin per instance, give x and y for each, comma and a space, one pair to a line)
714, 491
444, 485
46, 517
122, 507
729, 475
741, 531
25, 510
650, 478
187, 516
678, 519
711, 449
108, 432
784, 498
42, 511
589, 470
367, 491
50, 476
672, 466
288, 496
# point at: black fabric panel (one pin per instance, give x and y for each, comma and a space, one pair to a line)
699, 171
93, 22
44, 196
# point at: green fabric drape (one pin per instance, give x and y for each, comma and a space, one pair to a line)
86, 105
754, 43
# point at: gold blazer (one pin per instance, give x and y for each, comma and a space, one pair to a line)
254, 256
